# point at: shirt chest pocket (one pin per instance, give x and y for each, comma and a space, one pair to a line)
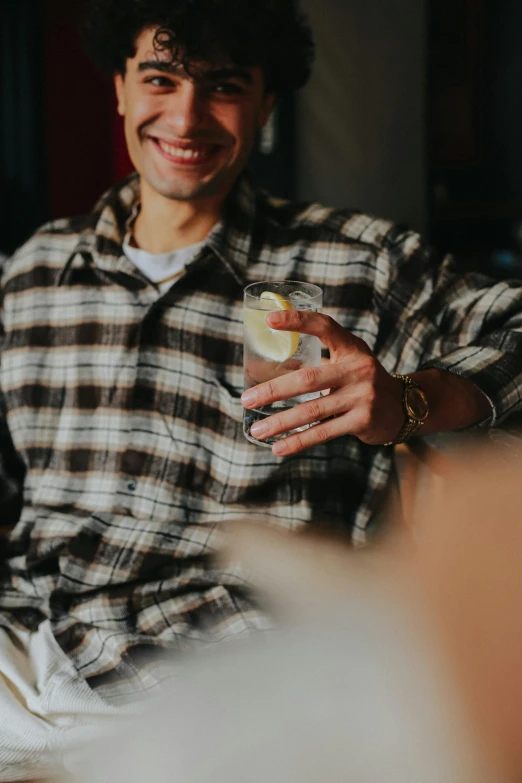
230, 468
211, 420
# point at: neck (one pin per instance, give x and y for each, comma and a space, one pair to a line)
164, 225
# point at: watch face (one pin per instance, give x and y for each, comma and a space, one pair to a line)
417, 404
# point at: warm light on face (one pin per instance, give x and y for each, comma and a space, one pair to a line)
189, 137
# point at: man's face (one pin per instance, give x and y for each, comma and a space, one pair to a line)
189, 138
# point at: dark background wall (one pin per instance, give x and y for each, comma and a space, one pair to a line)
503, 85
362, 120
475, 132
79, 118
58, 146
23, 169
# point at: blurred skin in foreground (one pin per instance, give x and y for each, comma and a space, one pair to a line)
400, 665
469, 569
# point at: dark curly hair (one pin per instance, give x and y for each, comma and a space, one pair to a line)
267, 33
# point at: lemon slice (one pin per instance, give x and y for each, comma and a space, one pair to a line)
270, 343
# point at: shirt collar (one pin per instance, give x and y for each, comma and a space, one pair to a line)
103, 237
232, 240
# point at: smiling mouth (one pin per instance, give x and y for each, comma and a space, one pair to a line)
187, 155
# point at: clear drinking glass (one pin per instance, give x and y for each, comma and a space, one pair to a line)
270, 353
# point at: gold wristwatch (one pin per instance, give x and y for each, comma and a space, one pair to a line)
416, 409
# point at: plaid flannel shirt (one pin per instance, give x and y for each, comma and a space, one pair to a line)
123, 408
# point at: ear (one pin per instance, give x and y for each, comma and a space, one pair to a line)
120, 93
267, 109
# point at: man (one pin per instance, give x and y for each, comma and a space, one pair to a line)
122, 365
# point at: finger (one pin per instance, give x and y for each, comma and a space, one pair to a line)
325, 360
329, 332
306, 413
294, 384
352, 370
315, 436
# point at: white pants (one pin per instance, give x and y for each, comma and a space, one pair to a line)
47, 711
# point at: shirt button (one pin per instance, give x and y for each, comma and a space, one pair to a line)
132, 486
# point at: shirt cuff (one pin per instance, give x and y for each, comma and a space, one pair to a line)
497, 375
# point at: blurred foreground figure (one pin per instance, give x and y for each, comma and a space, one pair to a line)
399, 667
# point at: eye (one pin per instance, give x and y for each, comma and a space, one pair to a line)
159, 81
227, 88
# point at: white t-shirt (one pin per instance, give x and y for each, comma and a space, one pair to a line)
162, 269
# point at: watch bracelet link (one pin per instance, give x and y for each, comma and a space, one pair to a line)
411, 426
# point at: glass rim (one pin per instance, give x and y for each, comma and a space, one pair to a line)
315, 290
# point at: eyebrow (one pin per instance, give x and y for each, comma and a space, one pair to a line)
212, 75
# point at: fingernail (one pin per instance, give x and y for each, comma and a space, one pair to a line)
249, 397
279, 447
259, 429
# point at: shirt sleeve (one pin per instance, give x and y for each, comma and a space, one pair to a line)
469, 324
11, 466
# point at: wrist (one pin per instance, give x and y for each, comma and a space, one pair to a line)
455, 402
415, 408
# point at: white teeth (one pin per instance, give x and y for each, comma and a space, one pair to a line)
179, 152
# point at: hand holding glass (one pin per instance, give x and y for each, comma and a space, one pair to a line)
270, 353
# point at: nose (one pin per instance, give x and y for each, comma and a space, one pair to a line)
186, 111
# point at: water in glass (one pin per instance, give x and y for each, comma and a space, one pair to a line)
269, 353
